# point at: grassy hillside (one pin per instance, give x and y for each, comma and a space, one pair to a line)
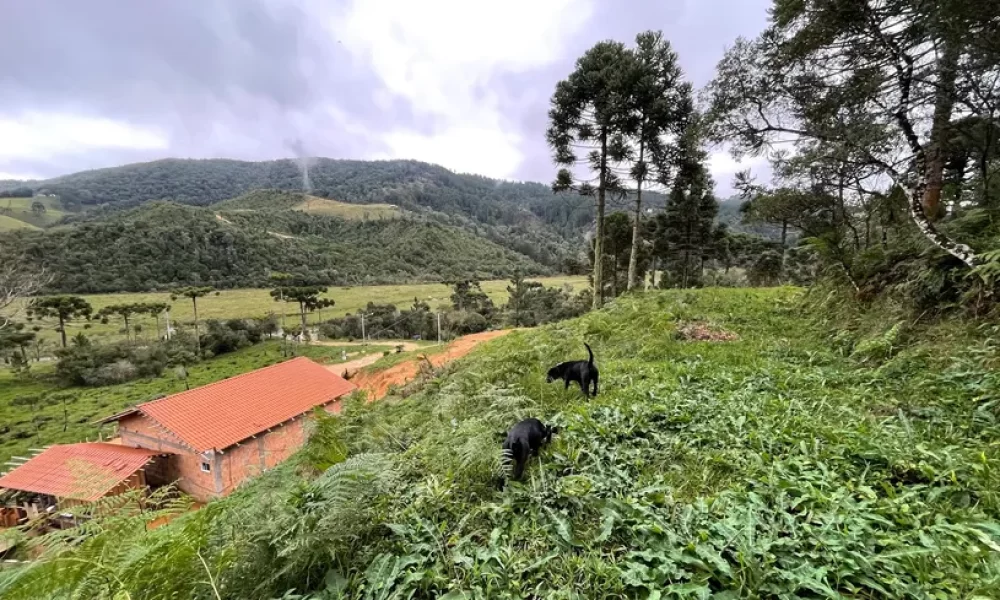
357, 212
9, 223
20, 209
793, 462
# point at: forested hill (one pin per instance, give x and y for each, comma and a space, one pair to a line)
161, 245
409, 184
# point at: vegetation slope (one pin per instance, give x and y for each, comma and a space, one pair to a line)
161, 245
799, 461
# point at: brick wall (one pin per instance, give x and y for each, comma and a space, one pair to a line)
183, 466
227, 469
253, 456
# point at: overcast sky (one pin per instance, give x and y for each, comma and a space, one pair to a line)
465, 84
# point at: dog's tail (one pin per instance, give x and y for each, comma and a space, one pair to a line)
590, 352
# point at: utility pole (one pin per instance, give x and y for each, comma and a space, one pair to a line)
168, 324
439, 327
363, 340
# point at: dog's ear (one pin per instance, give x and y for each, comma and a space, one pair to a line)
552, 429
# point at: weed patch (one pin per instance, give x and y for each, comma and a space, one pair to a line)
704, 332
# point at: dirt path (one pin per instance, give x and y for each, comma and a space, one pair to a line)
407, 346
377, 384
353, 366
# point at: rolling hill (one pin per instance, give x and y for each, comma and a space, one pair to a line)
262, 203
162, 245
408, 184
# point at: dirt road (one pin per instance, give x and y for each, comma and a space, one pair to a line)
407, 346
377, 384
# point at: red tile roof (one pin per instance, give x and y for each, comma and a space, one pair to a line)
78, 471
220, 414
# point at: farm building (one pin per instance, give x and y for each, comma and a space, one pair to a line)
218, 435
67, 475
207, 440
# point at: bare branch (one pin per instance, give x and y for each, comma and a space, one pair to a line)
18, 281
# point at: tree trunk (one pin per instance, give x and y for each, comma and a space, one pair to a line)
944, 103
652, 275
915, 204
197, 333
599, 241
62, 330
633, 259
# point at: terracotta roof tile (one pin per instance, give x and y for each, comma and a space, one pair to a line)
79, 471
220, 414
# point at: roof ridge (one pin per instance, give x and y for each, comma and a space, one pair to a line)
226, 380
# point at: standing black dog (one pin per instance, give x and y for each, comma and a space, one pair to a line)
583, 372
524, 439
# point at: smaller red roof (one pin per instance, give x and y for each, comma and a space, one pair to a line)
85, 471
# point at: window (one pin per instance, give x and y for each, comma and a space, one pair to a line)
206, 468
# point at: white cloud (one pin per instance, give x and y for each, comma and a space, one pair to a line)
42, 135
19, 176
724, 167
440, 55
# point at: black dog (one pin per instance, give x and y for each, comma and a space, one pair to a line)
523, 440
583, 372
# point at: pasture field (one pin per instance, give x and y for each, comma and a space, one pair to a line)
8, 223
243, 303
19, 209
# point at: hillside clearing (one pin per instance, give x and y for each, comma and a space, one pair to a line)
19, 209
344, 210
777, 465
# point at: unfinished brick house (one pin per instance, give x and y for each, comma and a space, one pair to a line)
216, 436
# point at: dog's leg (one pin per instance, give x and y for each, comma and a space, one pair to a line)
585, 384
595, 378
567, 380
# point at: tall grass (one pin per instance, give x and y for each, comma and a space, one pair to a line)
781, 465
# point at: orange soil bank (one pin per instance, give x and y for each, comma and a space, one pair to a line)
377, 384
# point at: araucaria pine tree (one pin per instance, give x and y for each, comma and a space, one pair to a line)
687, 223
659, 110
588, 114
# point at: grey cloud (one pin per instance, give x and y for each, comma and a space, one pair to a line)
241, 78
264, 71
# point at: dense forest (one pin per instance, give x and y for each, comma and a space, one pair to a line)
162, 245
406, 183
